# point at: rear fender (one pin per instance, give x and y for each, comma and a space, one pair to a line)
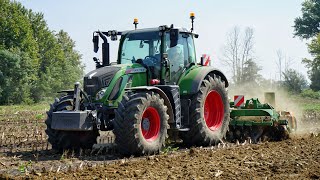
191, 82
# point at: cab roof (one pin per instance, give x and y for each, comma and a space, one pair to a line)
151, 30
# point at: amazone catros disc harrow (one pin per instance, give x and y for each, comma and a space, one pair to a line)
255, 121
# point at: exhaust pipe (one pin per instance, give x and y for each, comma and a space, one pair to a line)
270, 98
105, 48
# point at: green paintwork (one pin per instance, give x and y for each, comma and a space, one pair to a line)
250, 123
187, 78
253, 113
138, 79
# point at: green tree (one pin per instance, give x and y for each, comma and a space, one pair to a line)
294, 81
18, 46
16, 29
313, 65
71, 65
35, 61
50, 55
14, 80
315, 80
251, 72
308, 25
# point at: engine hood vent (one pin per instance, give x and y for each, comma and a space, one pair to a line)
99, 78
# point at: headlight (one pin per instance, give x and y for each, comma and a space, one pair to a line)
100, 94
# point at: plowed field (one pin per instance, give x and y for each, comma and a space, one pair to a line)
25, 153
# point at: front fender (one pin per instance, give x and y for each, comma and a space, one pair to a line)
161, 93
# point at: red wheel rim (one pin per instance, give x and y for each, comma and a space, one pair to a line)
213, 110
150, 124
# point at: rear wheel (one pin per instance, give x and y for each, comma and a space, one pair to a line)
209, 113
68, 140
141, 123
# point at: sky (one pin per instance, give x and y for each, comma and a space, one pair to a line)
271, 20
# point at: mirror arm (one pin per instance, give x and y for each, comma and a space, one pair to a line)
103, 36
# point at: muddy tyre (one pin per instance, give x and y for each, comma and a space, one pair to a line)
209, 113
141, 123
68, 140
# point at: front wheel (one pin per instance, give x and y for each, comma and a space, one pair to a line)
209, 113
141, 123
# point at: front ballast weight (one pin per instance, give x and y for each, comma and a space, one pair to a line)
73, 120
76, 119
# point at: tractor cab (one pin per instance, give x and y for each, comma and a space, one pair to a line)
165, 52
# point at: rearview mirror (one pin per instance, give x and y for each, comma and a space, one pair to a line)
174, 36
95, 41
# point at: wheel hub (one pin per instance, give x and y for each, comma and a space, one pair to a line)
146, 124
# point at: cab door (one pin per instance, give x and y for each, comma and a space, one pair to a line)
177, 56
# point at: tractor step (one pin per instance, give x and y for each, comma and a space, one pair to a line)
184, 129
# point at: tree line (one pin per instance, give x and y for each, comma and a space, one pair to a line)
238, 55
239, 48
35, 62
308, 27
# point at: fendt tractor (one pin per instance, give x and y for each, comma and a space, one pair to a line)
252, 120
156, 90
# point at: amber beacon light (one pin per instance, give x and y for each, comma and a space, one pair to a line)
135, 22
192, 17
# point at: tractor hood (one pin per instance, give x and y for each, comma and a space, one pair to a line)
99, 78
107, 76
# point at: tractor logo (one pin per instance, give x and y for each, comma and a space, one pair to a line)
135, 70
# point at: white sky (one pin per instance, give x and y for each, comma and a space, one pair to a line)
271, 20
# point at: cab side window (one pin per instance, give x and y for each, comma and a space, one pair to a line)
178, 55
192, 51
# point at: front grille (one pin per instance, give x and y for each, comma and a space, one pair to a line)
91, 86
100, 78
106, 79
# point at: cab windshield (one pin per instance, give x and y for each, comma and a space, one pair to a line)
141, 45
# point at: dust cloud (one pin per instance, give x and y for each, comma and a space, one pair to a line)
306, 122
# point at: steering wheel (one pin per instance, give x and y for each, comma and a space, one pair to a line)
151, 61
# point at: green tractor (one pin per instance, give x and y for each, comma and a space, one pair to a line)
156, 90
